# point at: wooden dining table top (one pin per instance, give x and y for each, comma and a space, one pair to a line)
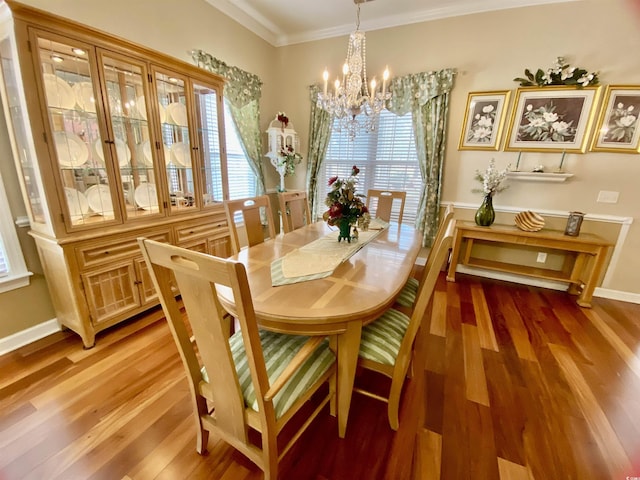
361, 288
358, 291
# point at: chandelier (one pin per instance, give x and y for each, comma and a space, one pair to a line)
352, 97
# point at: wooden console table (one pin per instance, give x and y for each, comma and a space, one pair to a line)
580, 273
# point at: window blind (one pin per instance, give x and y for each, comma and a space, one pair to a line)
242, 181
386, 157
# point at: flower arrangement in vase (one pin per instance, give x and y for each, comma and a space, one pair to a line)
346, 207
288, 158
491, 179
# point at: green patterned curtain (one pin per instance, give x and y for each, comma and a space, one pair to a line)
242, 92
319, 135
426, 96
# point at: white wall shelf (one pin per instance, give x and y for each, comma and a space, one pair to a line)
539, 176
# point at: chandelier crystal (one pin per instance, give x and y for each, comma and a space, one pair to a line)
351, 97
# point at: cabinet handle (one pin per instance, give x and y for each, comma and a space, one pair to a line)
110, 142
195, 148
137, 282
106, 252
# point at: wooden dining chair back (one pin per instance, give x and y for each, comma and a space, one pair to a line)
445, 228
256, 217
382, 202
407, 296
294, 208
386, 345
254, 379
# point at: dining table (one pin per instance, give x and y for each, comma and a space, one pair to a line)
336, 303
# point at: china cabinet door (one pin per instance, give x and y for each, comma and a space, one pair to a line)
171, 92
208, 118
22, 143
85, 180
111, 291
130, 143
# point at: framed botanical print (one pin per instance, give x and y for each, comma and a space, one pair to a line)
552, 119
618, 129
484, 120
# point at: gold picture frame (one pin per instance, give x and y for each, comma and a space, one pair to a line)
484, 120
618, 126
552, 119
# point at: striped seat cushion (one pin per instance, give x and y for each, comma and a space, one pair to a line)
407, 296
279, 349
381, 340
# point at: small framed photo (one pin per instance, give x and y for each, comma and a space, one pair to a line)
552, 119
484, 120
617, 129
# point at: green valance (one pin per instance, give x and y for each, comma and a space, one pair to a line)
418, 88
241, 88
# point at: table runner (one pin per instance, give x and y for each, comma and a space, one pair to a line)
321, 257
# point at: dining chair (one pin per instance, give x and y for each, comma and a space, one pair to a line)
294, 208
407, 296
255, 380
382, 201
386, 344
252, 220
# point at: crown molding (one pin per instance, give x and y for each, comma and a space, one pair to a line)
247, 16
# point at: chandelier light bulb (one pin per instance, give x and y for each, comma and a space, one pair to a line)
373, 86
325, 77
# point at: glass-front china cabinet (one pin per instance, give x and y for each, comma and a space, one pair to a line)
112, 142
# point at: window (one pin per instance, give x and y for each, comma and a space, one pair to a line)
386, 157
242, 181
13, 271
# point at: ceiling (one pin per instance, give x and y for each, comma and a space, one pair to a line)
285, 22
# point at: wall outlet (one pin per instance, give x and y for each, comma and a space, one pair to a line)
542, 257
607, 197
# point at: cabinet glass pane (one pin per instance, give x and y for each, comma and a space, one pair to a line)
131, 145
206, 104
71, 101
175, 138
30, 174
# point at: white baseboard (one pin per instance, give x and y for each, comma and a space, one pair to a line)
19, 339
617, 295
535, 282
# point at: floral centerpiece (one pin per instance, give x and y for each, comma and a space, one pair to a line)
491, 179
346, 207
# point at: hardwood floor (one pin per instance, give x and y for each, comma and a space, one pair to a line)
511, 382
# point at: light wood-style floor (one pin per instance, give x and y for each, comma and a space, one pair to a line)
511, 383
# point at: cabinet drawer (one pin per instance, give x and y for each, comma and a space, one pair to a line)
92, 254
206, 227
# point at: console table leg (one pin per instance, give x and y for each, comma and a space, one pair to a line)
584, 300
